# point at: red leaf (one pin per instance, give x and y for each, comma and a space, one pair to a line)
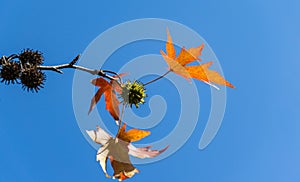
106, 88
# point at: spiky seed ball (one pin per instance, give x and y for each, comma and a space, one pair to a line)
10, 72
32, 79
133, 93
1, 60
32, 57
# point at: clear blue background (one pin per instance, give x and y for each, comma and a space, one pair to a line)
257, 43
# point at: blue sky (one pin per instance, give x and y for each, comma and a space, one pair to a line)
257, 43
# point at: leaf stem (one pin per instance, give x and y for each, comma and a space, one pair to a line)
158, 78
121, 118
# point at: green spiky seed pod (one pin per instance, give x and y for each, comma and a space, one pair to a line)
32, 57
133, 93
10, 72
32, 79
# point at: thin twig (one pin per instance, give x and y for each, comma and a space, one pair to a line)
158, 78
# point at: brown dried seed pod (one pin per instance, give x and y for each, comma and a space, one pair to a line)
32, 79
1, 61
32, 57
10, 72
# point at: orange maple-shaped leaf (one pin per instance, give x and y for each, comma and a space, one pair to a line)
108, 89
188, 56
132, 135
200, 72
170, 47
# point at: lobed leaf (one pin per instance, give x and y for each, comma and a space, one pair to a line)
108, 89
199, 72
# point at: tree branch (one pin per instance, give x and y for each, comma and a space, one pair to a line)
71, 65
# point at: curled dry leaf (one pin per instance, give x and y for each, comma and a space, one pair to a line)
118, 150
199, 72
